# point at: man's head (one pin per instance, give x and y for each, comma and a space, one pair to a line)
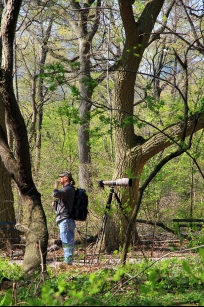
65, 177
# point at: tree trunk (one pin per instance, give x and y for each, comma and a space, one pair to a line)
84, 113
85, 34
129, 154
8, 233
19, 165
35, 228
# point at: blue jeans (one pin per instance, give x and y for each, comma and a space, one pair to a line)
67, 227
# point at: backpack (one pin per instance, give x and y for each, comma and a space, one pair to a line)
80, 207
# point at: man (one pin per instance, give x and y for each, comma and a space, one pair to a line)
66, 224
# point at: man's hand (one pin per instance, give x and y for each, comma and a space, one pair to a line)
57, 182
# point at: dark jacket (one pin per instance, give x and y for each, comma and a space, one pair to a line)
65, 201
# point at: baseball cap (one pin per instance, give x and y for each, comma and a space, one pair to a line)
65, 174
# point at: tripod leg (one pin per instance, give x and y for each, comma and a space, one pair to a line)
100, 235
102, 229
121, 207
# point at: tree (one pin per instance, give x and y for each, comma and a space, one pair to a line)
78, 21
131, 156
84, 19
7, 219
18, 162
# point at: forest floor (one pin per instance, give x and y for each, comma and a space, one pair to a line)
87, 258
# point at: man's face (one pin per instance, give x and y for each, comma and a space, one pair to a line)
64, 179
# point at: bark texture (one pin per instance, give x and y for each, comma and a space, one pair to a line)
8, 233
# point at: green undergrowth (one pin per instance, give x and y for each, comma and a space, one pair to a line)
165, 282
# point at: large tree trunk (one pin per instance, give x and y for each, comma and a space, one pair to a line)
35, 228
19, 165
8, 233
7, 216
128, 156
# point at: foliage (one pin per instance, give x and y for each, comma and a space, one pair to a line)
10, 271
164, 282
176, 191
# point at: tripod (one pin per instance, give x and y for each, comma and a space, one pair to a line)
104, 220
